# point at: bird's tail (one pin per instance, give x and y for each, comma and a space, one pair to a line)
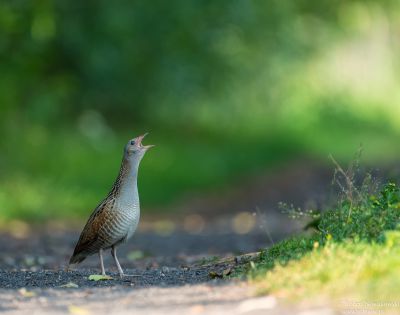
76, 259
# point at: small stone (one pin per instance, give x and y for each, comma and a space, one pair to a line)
165, 269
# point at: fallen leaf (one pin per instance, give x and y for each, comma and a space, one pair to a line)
73, 309
69, 285
25, 293
100, 277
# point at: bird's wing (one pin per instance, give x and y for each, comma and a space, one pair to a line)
89, 241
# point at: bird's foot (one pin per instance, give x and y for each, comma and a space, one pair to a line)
123, 275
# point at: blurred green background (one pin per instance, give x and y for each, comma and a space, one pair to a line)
225, 88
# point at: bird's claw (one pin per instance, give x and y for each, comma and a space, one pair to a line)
126, 275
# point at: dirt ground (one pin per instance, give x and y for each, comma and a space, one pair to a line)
178, 261
177, 283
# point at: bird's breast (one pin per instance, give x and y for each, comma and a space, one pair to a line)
128, 208
128, 204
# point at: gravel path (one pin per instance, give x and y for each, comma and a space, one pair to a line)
190, 284
162, 276
184, 278
32, 279
179, 271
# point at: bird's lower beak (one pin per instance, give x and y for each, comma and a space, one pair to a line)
146, 147
139, 139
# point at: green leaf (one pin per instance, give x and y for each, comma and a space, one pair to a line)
100, 277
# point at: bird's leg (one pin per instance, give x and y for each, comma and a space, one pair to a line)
103, 272
114, 254
121, 272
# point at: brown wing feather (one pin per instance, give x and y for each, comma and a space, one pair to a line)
90, 240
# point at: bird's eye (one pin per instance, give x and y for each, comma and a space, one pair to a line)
132, 142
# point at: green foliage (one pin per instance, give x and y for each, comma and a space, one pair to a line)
363, 222
206, 64
358, 223
363, 210
227, 88
285, 251
353, 252
65, 175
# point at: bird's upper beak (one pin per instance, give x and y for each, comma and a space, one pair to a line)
139, 139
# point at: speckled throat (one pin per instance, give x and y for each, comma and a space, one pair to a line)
126, 179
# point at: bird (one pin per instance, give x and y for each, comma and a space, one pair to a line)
117, 216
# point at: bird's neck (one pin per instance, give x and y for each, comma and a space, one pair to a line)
126, 183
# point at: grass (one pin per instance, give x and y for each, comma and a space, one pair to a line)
354, 251
365, 271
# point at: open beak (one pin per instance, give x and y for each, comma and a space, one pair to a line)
139, 139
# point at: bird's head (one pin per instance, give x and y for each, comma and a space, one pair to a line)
135, 150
